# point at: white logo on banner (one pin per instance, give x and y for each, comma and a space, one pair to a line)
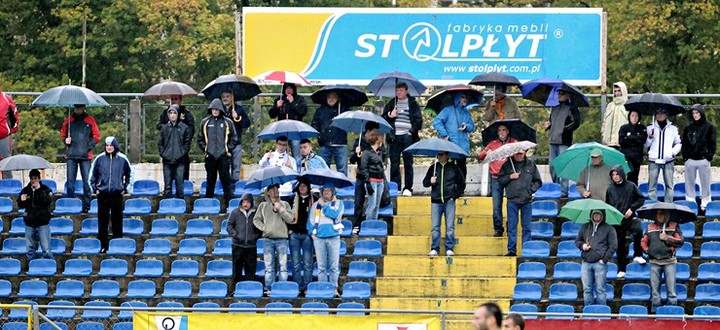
171, 322
402, 326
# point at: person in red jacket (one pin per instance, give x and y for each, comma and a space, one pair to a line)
80, 133
9, 121
660, 242
496, 189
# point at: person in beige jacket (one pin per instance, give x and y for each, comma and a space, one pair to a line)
272, 217
615, 116
501, 107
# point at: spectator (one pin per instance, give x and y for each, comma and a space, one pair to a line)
289, 105
662, 238
359, 146
514, 321
244, 239
174, 146
455, 124
632, 139
615, 116
36, 198
496, 189
598, 242
217, 138
272, 217
564, 120
325, 226
308, 160
403, 114
594, 179
185, 116
236, 113
372, 168
110, 176
625, 197
663, 143
501, 107
698, 149
301, 244
280, 157
332, 141
80, 133
9, 123
448, 183
521, 179
487, 316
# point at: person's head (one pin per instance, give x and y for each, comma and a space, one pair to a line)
661, 216
563, 95
617, 174
443, 156
303, 186
596, 156
372, 136
227, 98
216, 108
246, 201
372, 126
487, 316
173, 112
305, 147
401, 90
289, 88
514, 321
111, 145
34, 176
519, 156
460, 99
697, 111
596, 216
633, 117
661, 115
281, 144
500, 91
79, 109
176, 99
328, 191
332, 98
273, 191
617, 91
503, 132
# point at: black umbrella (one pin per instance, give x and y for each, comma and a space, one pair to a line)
243, 88
648, 103
495, 78
544, 91
678, 213
350, 96
444, 97
518, 131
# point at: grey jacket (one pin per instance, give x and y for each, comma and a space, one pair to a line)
273, 224
564, 120
602, 239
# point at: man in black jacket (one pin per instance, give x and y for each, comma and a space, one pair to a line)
403, 114
244, 240
632, 137
185, 116
174, 146
290, 105
448, 184
36, 198
332, 141
217, 139
355, 158
625, 196
598, 242
698, 149
521, 179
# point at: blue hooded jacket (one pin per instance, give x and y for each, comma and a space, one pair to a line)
111, 172
326, 221
451, 118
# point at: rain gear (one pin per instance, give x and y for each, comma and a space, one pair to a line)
624, 195
85, 135
595, 179
564, 120
217, 136
615, 116
322, 122
699, 138
9, 116
297, 109
111, 172
453, 117
175, 142
632, 137
37, 205
449, 184
520, 190
662, 252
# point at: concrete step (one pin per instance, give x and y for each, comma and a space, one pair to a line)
464, 225
462, 266
424, 287
465, 206
476, 246
439, 304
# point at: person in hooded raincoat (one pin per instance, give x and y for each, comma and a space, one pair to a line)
615, 116
698, 149
290, 105
455, 124
217, 138
632, 137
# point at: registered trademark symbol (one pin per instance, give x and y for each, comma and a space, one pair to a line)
558, 33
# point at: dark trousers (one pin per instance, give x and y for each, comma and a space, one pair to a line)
359, 201
396, 149
632, 176
462, 165
110, 212
213, 166
173, 172
186, 168
633, 227
244, 258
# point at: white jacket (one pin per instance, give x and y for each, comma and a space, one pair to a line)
615, 116
664, 145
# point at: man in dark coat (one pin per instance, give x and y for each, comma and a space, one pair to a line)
598, 241
448, 183
36, 198
174, 146
564, 120
358, 147
521, 179
244, 239
185, 116
698, 149
235, 111
625, 196
289, 105
332, 141
632, 137
217, 139
80, 133
403, 114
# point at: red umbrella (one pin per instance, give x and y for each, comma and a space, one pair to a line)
281, 77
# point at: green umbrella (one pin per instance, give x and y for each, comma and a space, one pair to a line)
570, 163
578, 211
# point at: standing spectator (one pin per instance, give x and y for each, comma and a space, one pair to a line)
301, 244
236, 113
325, 226
403, 114
496, 189
174, 146
9, 123
663, 143
80, 133
184, 116
272, 217
359, 146
455, 124
564, 120
625, 197
615, 116
308, 160
487, 316
372, 168
217, 138
448, 183
598, 242
244, 239
332, 140
521, 179
289, 105
660, 242
36, 198
501, 107
698, 149
280, 157
514, 321
632, 139
110, 176
594, 179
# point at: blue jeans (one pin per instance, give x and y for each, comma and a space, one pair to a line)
593, 278
556, 150
373, 201
525, 215
340, 154
655, 273
653, 172
436, 212
295, 149
271, 247
72, 167
327, 251
497, 192
301, 251
236, 164
35, 234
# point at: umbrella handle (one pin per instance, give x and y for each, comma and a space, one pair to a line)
512, 164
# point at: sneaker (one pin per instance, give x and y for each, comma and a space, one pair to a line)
432, 253
449, 253
498, 233
267, 293
337, 294
407, 192
511, 254
103, 251
356, 230
639, 260
621, 275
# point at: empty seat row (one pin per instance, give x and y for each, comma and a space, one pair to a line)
568, 249
628, 310
630, 292
570, 270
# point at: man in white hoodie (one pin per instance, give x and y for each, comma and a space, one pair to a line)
615, 116
663, 143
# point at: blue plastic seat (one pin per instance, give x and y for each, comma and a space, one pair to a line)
17, 226
239, 188
637, 272
542, 230
148, 268
170, 304
681, 292
199, 227
707, 310
568, 249
33, 289
93, 207
69, 289
164, 227
679, 191
355, 290
544, 209
10, 187
57, 246
284, 290
137, 206
145, 188
95, 314
248, 290
709, 250
128, 314
223, 248
682, 272
346, 192
192, 247
13, 246
715, 190
121, 247
5, 288
548, 190
6, 205
20, 313
15, 326
527, 292
350, 305
386, 212
223, 229
362, 270
113, 268
233, 204
58, 314
78, 188
373, 228
278, 308
188, 188
711, 230
563, 292
133, 227
596, 309
644, 186
690, 204
141, 289
635, 292
310, 308
367, 248
242, 307
320, 290
685, 251
573, 193
207, 306
9, 267
67, 205
531, 270
184, 268
177, 289
42, 267
688, 230
638, 310
50, 183
393, 188
213, 290
61, 226
536, 249
172, 206
566, 270
157, 246
206, 206
713, 210
348, 208
105, 289
707, 292
347, 228
560, 308
612, 270
218, 188
219, 269
670, 310
86, 246
89, 227
525, 308
708, 271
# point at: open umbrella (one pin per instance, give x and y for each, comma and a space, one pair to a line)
518, 131
578, 211
648, 103
270, 175
350, 96
169, 88
444, 97
569, 164
508, 150
281, 77
354, 121
430, 147
321, 176
243, 88
384, 84
293, 129
544, 91
24, 162
678, 213
494, 78
67, 96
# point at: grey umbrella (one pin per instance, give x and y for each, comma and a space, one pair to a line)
166, 89
24, 162
68, 96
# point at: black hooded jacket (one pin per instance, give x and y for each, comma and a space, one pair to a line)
698, 139
624, 195
296, 110
37, 205
602, 239
175, 142
449, 184
240, 225
184, 115
632, 139
217, 135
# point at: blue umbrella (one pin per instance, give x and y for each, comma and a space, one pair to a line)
68, 96
430, 147
354, 121
270, 175
321, 176
293, 129
544, 91
384, 84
